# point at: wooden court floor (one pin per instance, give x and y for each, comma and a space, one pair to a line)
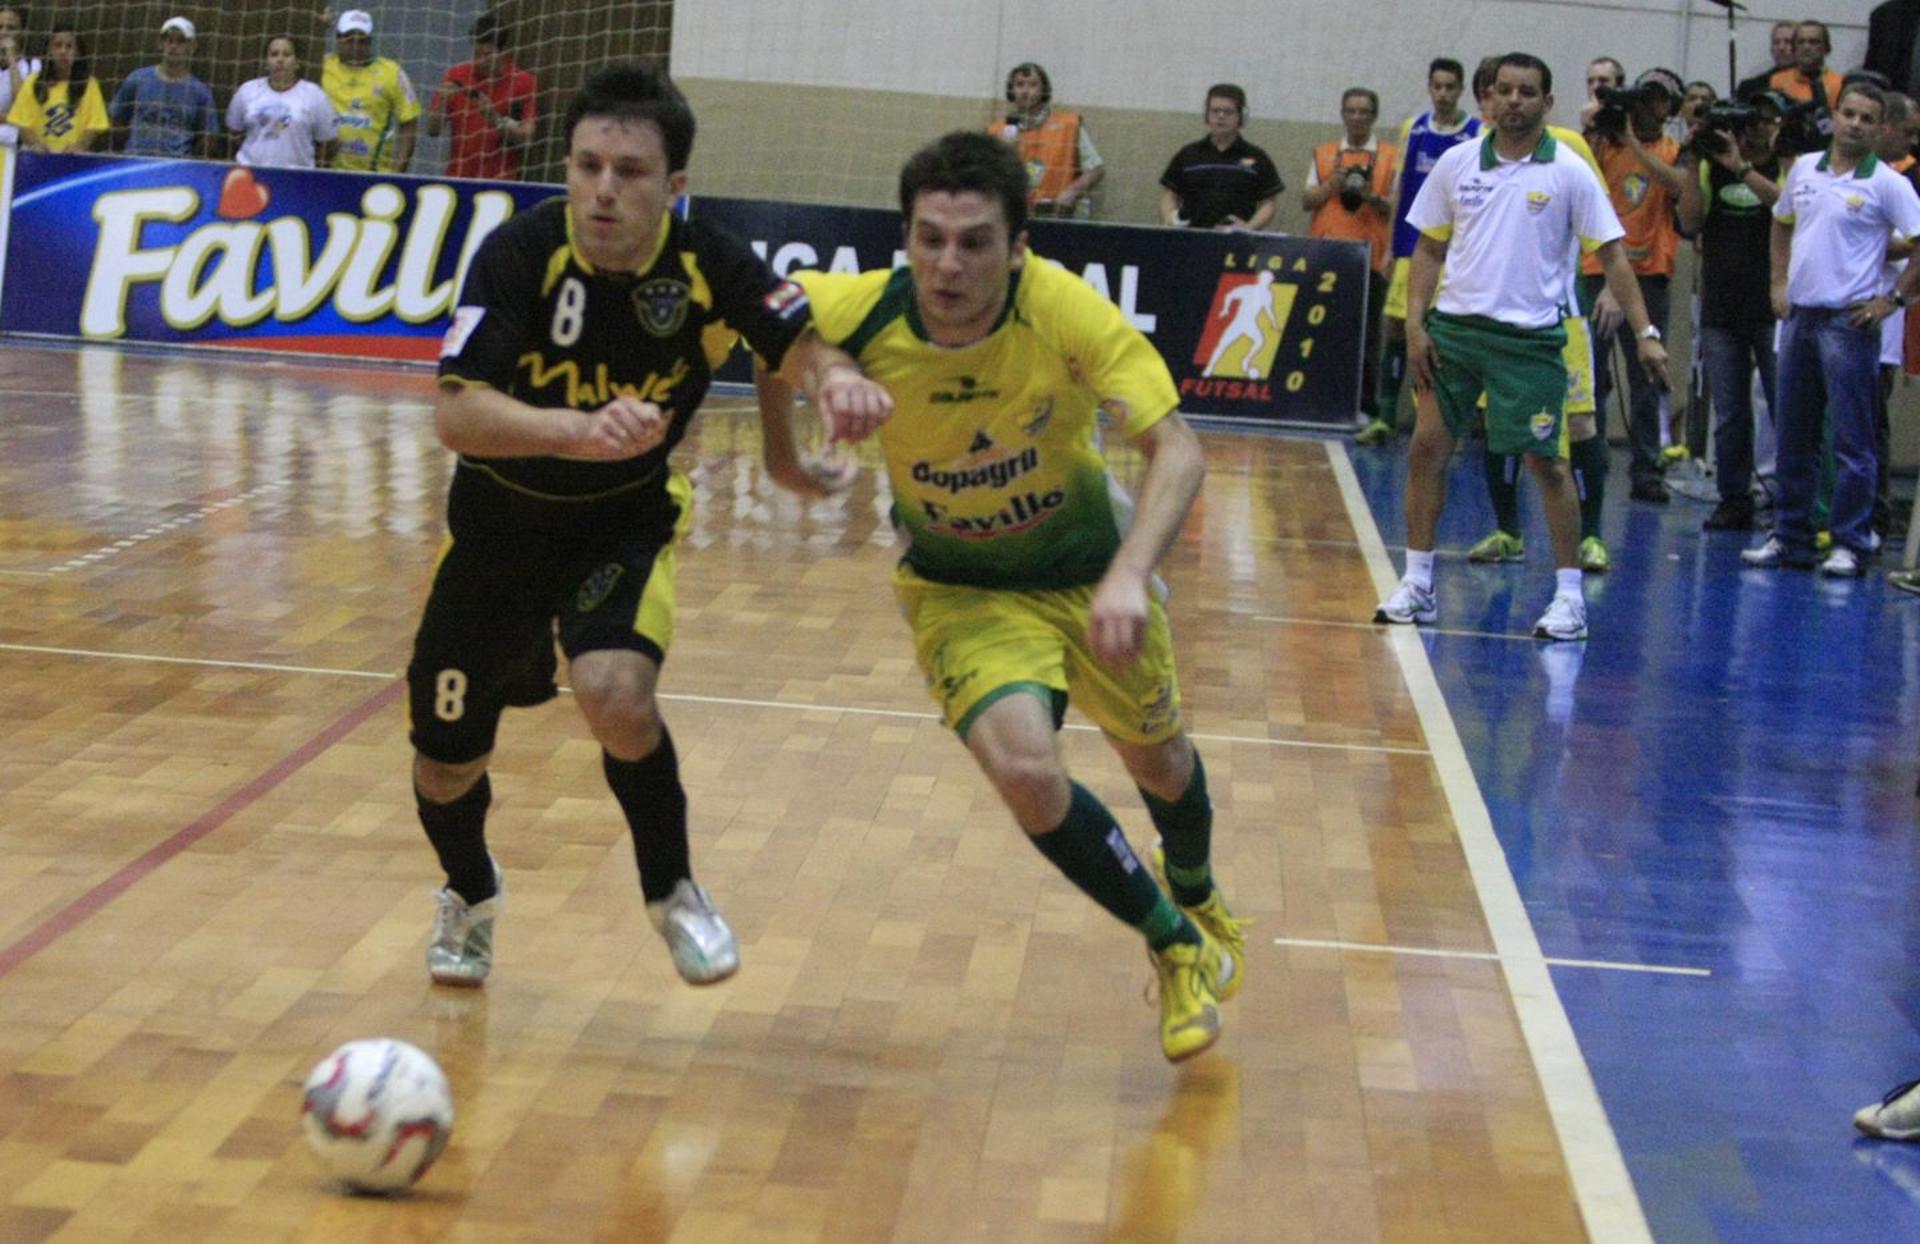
210, 875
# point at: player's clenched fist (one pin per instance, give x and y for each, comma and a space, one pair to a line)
852, 406
624, 428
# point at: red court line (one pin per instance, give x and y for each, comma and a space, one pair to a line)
68, 918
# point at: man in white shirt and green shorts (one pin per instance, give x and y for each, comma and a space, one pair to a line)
1500, 215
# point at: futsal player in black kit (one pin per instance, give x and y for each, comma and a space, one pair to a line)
584, 339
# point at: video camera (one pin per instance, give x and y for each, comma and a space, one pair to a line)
1356, 184
1722, 126
1616, 102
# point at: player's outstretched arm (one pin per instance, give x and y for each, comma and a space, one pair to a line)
852, 406
810, 475
486, 423
1176, 465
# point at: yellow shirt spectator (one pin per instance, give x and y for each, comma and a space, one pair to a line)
57, 125
373, 100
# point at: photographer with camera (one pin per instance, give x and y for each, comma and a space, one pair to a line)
1640, 165
1350, 191
1729, 208
1811, 86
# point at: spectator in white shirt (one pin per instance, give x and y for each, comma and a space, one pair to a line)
15, 67
283, 119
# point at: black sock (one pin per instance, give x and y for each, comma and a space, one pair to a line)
1186, 831
458, 832
1590, 462
650, 794
1503, 489
1090, 850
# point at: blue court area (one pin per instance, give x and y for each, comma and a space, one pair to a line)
1723, 778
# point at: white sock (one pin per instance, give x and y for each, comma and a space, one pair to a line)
1566, 582
1420, 569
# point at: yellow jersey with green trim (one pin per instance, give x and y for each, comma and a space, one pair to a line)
993, 451
373, 101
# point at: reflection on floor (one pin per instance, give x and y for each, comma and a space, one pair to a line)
1722, 777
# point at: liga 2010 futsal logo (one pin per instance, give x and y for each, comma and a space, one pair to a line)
1242, 336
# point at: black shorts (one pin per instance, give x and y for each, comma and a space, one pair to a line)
494, 607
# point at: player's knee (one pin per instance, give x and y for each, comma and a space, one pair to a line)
617, 698
1162, 769
439, 782
1035, 788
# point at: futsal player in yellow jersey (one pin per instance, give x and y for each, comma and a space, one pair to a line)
1028, 574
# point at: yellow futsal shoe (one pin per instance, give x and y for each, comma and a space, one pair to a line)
1189, 1004
1219, 924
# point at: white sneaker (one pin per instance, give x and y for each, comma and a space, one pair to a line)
1895, 1116
1564, 620
1841, 563
1774, 554
461, 949
703, 947
1410, 603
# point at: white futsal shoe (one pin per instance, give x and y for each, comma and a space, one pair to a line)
703, 946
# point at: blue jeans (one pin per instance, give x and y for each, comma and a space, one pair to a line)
1732, 354
1827, 369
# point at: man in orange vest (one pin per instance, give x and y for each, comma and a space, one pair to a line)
1350, 193
1640, 166
1062, 165
1809, 81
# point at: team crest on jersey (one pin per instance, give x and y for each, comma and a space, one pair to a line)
1635, 189
1537, 201
661, 305
598, 586
1542, 424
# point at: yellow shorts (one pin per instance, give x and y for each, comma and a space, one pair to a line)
977, 645
1397, 289
1579, 357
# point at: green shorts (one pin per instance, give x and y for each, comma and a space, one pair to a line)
1522, 372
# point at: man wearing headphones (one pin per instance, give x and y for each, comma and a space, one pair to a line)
1221, 181
1062, 166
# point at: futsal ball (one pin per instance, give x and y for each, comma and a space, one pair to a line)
378, 1112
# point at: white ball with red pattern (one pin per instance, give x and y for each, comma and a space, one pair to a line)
378, 1112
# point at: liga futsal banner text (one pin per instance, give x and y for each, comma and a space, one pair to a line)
188, 252
1252, 325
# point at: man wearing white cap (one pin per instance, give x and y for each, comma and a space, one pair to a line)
164, 110
379, 113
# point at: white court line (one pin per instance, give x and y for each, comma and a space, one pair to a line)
682, 698
178, 521
1380, 948
1382, 627
1608, 1203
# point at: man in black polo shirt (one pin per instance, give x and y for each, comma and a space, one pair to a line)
1222, 181
1728, 205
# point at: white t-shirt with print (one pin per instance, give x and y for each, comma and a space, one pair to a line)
281, 127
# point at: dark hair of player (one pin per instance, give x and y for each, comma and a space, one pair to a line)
635, 91
1526, 60
1446, 64
968, 161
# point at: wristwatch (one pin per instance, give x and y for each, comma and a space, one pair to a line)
1650, 333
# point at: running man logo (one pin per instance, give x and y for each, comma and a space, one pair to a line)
1244, 326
